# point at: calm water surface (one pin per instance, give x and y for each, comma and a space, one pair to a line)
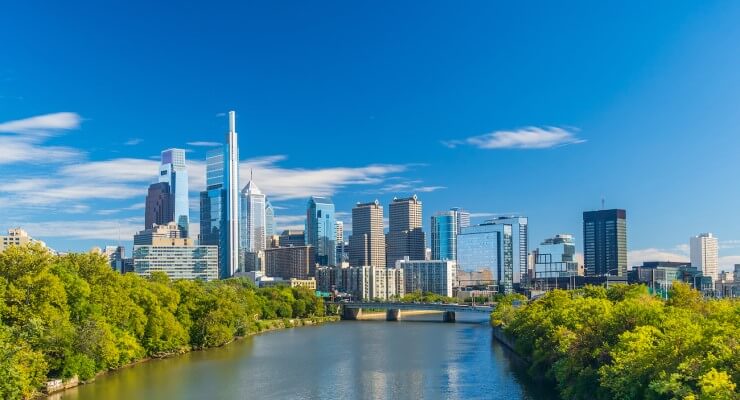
417, 358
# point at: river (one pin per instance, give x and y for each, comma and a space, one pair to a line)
418, 358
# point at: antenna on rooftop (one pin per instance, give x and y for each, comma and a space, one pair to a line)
603, 202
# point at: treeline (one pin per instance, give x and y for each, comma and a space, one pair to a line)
623, 343
426, 297
73, 315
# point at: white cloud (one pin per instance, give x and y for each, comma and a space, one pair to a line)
115, 170
42, 123
637, 257
133, 142
204, 144
90, 229
531, 137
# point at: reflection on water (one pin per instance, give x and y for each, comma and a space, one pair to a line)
412, 359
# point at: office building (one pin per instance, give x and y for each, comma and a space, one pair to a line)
704, 250
292, 238
477, 278
253, 220
605, 242
219, 203
433, 276
367, 242
162, 248
174, 172
405, 236
116, 257
321, 228
290, 262
341, 253
253, 261
520, 243
488, 246
270, 229
463, 218
555, 257
18, 237
158, 205
444, 235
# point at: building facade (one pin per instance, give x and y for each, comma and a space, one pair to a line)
704, 251
158, 205
405, 236
162, 248
488, 246
444, 235
174, 172
463, 218
292, 238
433, 276
18, 237
321, 228
555, 257
520, 242
270, 229
253, 221
367, 243
374, 283
341, 252
290, 262
605, 242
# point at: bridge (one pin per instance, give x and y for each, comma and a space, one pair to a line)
353, 310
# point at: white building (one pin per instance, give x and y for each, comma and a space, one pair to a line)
161, 249
253, 219
428, 276
705, 254
18, 237
370, 283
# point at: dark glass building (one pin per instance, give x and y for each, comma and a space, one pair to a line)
159, 208
605, 242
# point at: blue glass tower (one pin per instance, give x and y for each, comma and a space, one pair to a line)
488, 246
174, 172
444, 236
321, 229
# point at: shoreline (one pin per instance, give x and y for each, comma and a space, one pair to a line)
274, 325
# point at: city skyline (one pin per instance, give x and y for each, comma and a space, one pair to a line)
76, 169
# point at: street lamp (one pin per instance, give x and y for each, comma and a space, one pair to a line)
607, 276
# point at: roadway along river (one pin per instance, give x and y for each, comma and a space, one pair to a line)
417, 358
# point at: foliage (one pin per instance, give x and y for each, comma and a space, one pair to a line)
623, 343
62, 316
426, 297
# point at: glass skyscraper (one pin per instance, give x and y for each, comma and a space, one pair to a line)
444, 235
520, 239
556, 257
321, 229
270, 229
488, 246
174, 172
605, 242
252, 221
219, 203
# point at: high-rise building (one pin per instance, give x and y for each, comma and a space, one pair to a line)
374, 283
444, 235
367, 243
18, 237
270, 229
433, 276
321, 228
463, 218
520, 242
163, 248
340, 242
488, 246
253, 219
290, 262
405, 236
605, 242
292, 238
219, 203
556, 257
704, 250
159, 204
174, 172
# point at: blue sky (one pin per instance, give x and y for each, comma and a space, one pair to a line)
498, 107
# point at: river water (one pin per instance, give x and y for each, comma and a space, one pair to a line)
417, 358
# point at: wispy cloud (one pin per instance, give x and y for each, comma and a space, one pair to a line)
525, 138
25, 139
86, 229
637, 257
205, 144
133, 142
409, 186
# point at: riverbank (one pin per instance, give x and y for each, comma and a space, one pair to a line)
56, 388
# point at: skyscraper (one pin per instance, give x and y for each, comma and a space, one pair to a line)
704, 250
444, 235
463, 218
219, 203
270, 229
488, 246
605, 242
158, 205
340, 242
367, 243
253, 219
520, 242
321, 231
405, 236
174, 172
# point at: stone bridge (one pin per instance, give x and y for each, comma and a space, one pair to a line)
353, 310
